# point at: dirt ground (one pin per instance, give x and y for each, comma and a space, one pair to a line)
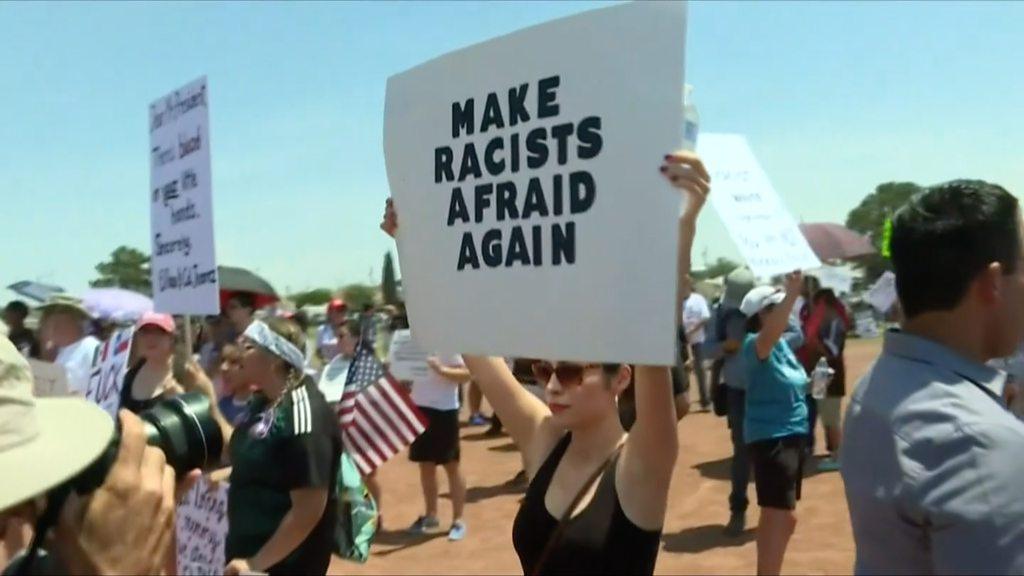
692, 543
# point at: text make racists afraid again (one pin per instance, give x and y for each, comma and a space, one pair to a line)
517, 152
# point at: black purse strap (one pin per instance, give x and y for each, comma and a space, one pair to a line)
563, 523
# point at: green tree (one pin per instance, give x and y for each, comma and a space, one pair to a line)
869, 217
359, 295
388, 282
313, 297
127, 268
720, 267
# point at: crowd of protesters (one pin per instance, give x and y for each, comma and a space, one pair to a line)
928, 449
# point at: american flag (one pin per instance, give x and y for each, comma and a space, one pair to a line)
378, 418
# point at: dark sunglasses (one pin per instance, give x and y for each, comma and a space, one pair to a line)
568, 374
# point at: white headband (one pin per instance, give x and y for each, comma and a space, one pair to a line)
261, 334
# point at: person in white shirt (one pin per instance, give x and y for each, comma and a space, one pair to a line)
695, 318
327, 334
437, 396
63, 321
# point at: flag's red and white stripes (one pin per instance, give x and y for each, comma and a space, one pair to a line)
378, 421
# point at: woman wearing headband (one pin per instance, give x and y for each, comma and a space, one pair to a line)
597, 498
284, 456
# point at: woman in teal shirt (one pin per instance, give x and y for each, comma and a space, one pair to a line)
775, 426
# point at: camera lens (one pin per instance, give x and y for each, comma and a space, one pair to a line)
182, 427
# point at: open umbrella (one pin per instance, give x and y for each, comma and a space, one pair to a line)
835, 242
233, 280
35, 290
116, 304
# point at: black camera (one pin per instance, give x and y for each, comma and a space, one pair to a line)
183, 427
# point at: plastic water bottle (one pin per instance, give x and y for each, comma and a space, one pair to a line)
691, 120
821, 377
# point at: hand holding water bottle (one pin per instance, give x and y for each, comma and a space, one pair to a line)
821, 377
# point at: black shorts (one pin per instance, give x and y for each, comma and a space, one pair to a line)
778, 470
439, 443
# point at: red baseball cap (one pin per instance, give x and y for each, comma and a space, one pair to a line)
163, 321
336, 304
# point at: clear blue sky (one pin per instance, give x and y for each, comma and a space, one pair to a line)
834, 97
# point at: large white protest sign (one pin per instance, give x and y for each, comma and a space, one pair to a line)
835, 278
882, 294
764, 231
202, 527
534, 220
109, 371
406, 360
49, 379
184, 266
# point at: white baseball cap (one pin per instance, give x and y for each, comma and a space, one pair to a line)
43, 441
760, 298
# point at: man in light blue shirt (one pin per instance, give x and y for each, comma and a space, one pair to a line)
932, 461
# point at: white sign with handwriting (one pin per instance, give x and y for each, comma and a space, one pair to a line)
764, 231
202, 527
883, 294
109, 370
184, 265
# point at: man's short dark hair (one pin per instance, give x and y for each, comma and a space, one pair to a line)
18, 308
948, 234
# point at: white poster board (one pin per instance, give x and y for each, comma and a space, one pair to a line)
184, 265
49, 379
764, 231
525, 173
882, 294
406, 360
865, 325
109, 370
835, 278
202, 527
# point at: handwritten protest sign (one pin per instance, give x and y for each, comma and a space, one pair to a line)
407, 361
49, 379
184, 265
202, 527
764, 231
525, 172
835, 278
108, 372
882, 294
864, 324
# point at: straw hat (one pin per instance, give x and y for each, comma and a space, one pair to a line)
43, 441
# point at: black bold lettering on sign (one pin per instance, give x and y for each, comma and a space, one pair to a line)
517, 250
462, 118
443, 157
561, 133
534, 203
506, 193
517, 105
546, 105
470, 163
494, 167
589, 134
563, 243
536, 148
492, 114
457, 209
491, 248
581, 192
481, 200
467, 253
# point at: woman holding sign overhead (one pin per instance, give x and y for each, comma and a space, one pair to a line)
596, 502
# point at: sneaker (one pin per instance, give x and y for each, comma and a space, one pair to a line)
424, 524
457, 532
828, 465
737, 524
478, 419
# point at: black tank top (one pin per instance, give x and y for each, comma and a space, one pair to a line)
598, 540
127, 401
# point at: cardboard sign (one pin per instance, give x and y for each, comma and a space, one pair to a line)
865, 325
525, 172
202, 528
835, 278
406, 360
108, 372
882, 294
49, 379
758, 222
184, 265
